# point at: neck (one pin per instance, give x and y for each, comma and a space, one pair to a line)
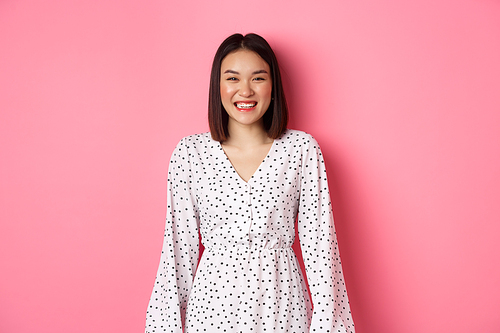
246, 136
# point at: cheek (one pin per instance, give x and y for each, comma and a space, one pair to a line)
225, 93
266, 91
270, 90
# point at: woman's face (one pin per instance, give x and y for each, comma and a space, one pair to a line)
245, 87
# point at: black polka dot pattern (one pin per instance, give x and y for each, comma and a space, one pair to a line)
248, 279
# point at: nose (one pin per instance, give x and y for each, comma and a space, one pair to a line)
245, 89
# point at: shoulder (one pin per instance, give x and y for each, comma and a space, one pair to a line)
195, 139
197, 142
298, 139
196, 148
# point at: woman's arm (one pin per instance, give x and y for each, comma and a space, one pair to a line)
331, 313
179, 257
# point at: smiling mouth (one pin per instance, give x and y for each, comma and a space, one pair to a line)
245, 106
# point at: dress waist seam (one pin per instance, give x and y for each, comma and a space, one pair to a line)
245, 248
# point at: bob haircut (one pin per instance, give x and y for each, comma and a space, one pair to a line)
276, 117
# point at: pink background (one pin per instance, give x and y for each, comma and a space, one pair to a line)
403, 96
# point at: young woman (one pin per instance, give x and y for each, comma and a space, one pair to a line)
245, 187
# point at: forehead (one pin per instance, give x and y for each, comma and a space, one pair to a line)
242, 60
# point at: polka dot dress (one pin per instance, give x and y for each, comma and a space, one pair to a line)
248, 278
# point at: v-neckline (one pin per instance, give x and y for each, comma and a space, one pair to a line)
256, 170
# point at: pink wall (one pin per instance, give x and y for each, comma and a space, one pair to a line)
404, 98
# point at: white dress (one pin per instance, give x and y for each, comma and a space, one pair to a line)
248, 278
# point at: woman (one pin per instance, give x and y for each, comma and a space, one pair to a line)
245, 187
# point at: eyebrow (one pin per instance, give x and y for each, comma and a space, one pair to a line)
260, 71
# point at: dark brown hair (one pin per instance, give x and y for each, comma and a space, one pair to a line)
276, 117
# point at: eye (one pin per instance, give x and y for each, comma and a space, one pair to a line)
259, 79
231, 78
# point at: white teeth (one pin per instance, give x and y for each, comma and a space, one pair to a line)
245, 105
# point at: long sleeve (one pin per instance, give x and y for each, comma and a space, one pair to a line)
179, 257
331, 311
